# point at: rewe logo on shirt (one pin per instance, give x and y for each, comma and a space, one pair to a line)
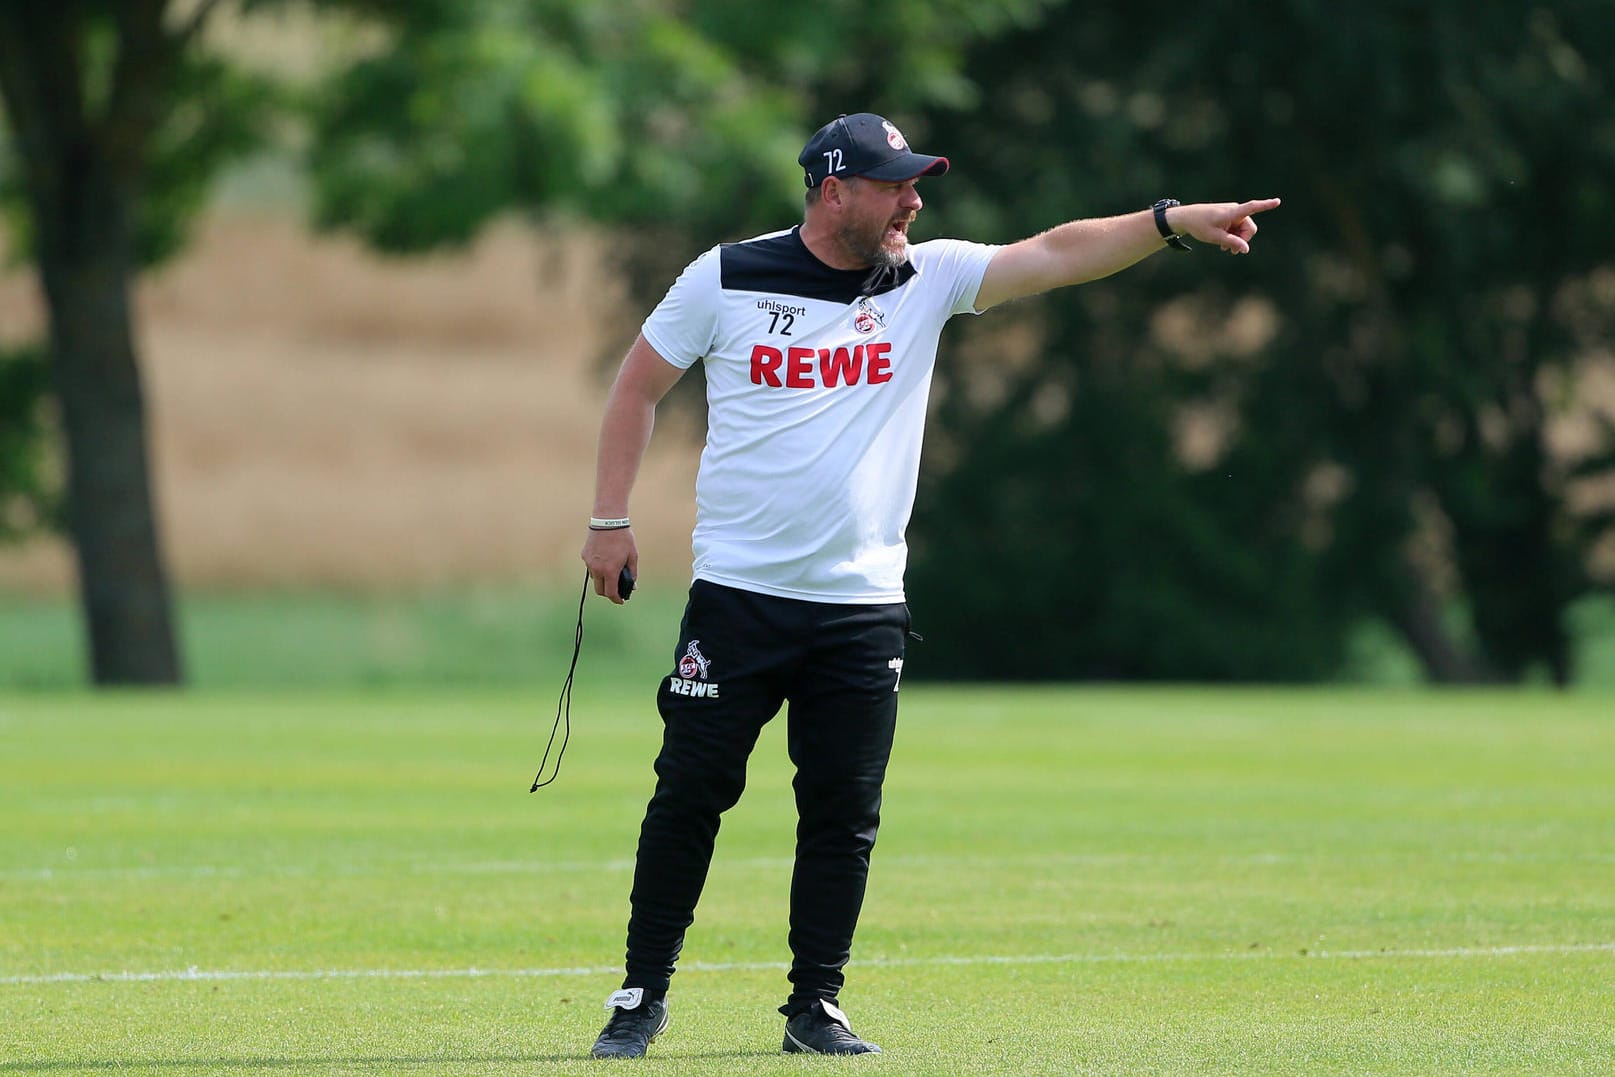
808, 368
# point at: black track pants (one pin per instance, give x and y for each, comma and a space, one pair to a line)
739, 657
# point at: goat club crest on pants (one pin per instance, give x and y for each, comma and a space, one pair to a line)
694, 663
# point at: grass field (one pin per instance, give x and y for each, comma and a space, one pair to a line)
1068, 881
298, 640
517, 637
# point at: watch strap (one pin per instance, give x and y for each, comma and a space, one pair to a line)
1173, 240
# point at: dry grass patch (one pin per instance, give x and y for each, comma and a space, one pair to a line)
325, 416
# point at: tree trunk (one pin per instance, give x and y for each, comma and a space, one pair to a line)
1419, 622
124, 590
82, 168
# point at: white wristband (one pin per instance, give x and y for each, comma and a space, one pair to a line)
597, 524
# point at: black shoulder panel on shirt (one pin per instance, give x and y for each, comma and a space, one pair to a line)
782, 265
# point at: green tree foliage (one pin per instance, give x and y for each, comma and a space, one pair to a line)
1425, 302
25, 494
659, 114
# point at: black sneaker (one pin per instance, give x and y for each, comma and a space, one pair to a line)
822, 1029
635, 1023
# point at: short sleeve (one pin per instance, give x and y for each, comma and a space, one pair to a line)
682, 327
958, 266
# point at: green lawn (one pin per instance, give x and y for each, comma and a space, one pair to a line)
517, 637
472, 637
1068, 881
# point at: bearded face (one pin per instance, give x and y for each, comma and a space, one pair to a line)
875, 228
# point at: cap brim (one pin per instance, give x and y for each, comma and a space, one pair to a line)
908, 166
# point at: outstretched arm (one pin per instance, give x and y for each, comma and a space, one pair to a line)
1086, 250
625, 430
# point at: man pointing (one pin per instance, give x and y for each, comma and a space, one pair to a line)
818, 345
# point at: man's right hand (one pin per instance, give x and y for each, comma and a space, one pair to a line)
606, 553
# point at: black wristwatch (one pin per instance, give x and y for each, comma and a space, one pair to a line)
1173, 240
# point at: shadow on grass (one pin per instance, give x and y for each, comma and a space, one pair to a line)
381, 1062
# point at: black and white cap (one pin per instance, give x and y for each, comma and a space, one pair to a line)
864, 144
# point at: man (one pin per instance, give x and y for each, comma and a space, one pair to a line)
818, 344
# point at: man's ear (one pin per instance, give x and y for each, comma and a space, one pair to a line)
833, 191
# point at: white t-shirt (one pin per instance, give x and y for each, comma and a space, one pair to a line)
816, 399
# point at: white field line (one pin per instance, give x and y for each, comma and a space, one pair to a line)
71, 871
780, 966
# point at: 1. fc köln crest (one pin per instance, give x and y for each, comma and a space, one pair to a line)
868, 317
694, 663
693, 672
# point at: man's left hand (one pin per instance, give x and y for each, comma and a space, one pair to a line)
1229, 225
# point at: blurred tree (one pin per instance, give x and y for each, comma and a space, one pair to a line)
656, 113
115, 128
1374, 388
